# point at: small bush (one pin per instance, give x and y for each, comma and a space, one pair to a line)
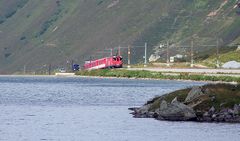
23, 38
10, 13
2, 19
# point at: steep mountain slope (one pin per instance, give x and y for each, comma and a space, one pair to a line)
37, 33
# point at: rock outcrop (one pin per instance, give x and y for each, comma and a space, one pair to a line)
175, 111
231, 65
193, 94
224, 115
154, 58
201, 104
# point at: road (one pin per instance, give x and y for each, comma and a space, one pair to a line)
203, 71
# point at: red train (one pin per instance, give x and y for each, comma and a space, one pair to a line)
107, 62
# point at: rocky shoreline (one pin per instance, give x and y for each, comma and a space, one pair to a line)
208, 103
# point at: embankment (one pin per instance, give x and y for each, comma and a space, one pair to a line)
123, 73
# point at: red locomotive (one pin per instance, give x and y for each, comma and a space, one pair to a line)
107, 62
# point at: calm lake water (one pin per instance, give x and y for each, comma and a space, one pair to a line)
93, 109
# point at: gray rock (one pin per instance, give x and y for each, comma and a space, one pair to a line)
206, 114
211, 110
163, 105
150, 114
228, 117
207, 119
174, 100
154, 57
219, 118
214, 116
230, 111
236, 109
194, 93
176, 111
231, 65
213, 98
144, 109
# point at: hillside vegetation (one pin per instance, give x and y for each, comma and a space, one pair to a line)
35, 34
223, 58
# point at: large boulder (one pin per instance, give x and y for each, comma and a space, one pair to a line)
231, 65
236, 109
154, 57
142, 112
193, 94
163, 105
175, 111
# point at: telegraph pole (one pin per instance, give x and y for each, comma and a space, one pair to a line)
192, 54
111, 52
168, 54
119, 50
217, 53
145, 56
24, 69
129, 56
72, 62
49, 69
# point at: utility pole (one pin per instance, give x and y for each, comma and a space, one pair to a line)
119, 50
49, 69
145, 56
217, 53
168, 54
111, 52
72, 62
129, 56
24, 69
192, 54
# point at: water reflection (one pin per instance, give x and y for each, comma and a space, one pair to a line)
64, 109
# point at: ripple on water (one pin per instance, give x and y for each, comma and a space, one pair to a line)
62, 109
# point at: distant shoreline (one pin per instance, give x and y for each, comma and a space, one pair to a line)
151, 75
112, 77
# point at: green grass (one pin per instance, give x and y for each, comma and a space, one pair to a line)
120, 73
223, 58
154, 75
225, 96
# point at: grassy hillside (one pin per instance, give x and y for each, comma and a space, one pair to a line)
36, 34
223, 58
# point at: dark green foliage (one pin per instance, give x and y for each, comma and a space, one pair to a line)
13, 10
23, 38
232, 32
2, 19
45, 26
10, 13
225, 95
22, 3
99, 2
6, 55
